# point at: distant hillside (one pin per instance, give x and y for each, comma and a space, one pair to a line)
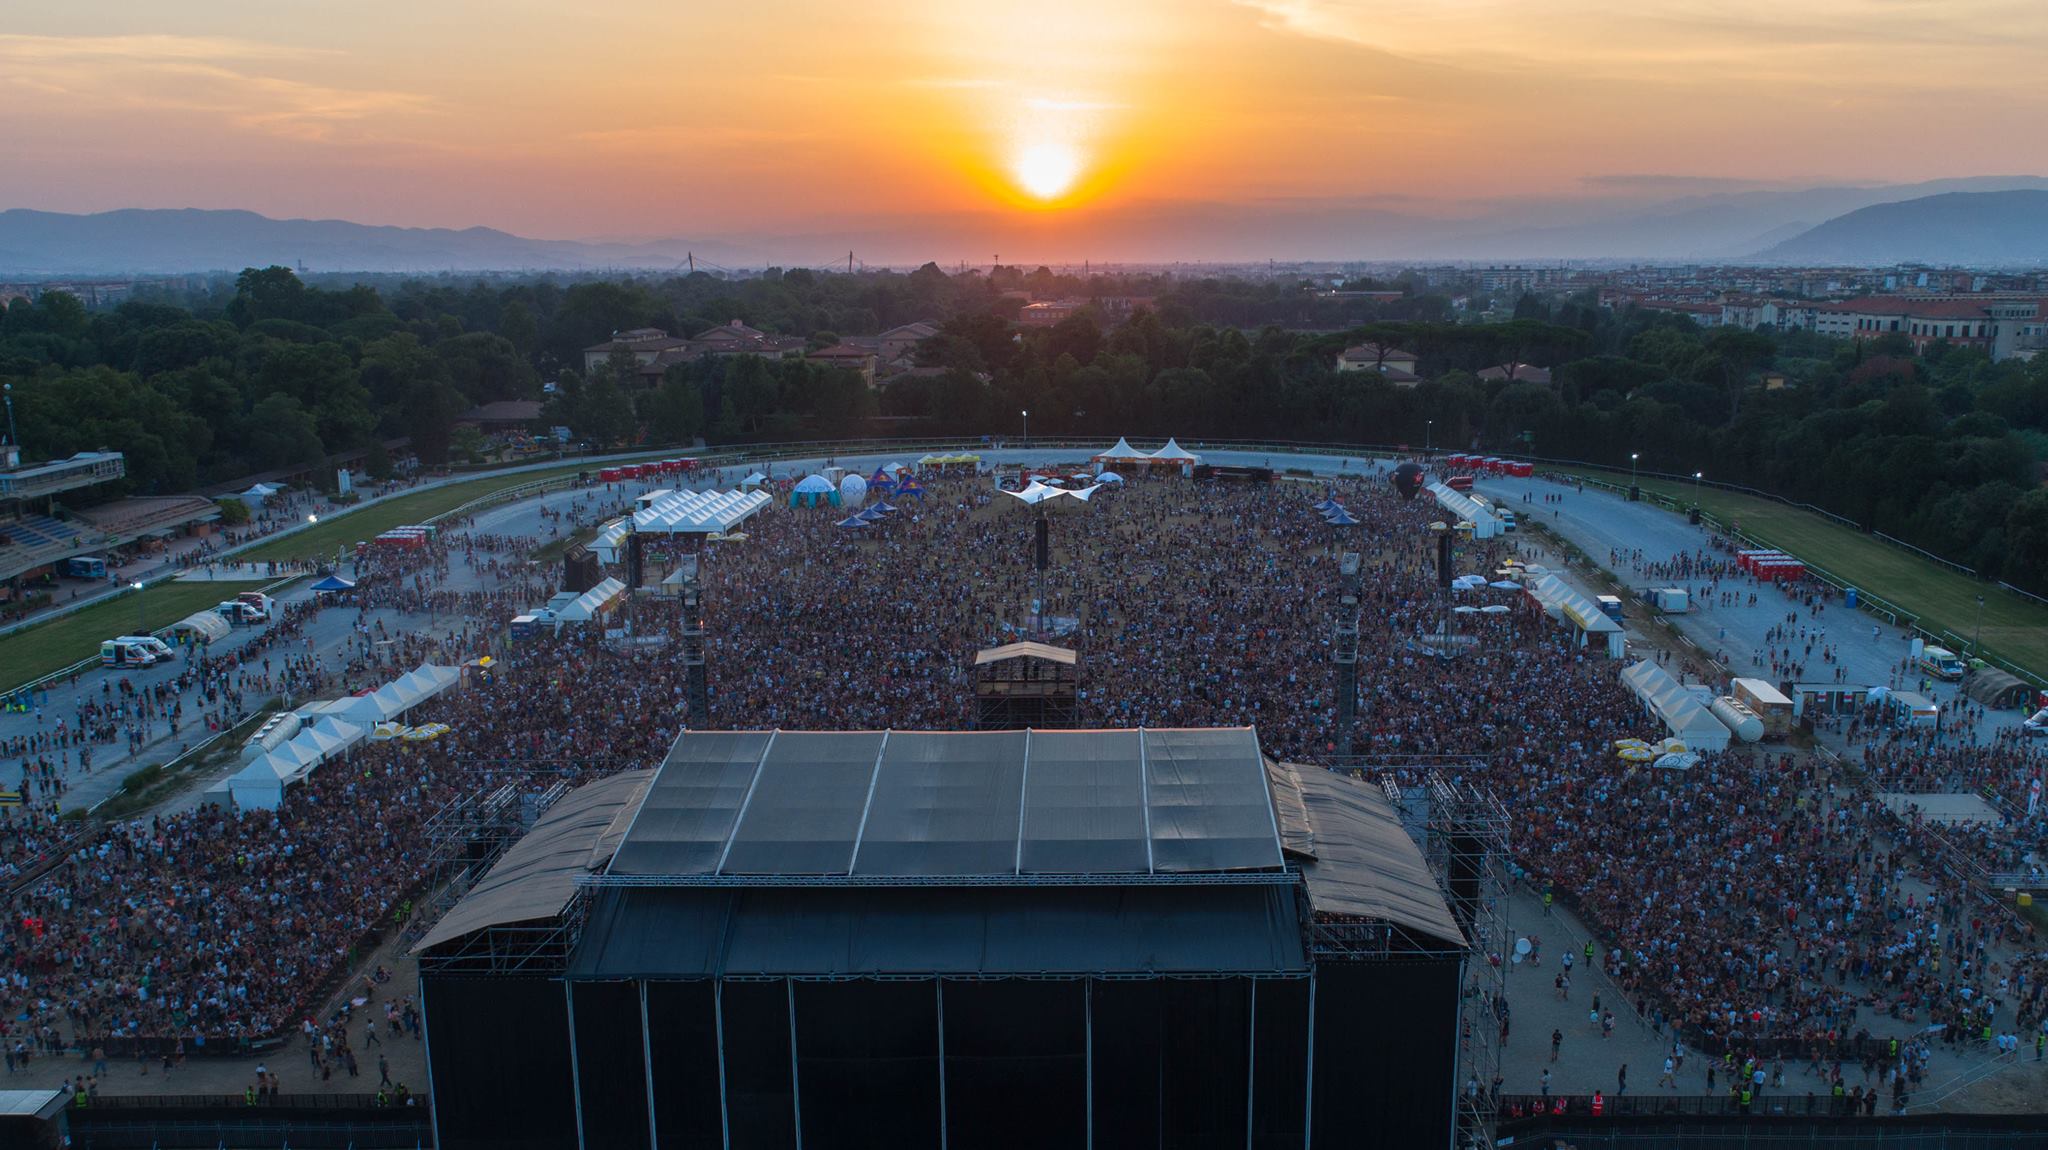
1970, 228
139, 241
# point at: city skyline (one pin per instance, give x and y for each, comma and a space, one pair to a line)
1054, 126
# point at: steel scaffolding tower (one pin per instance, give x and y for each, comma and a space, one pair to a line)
1344, 653
697, 689
1463, 831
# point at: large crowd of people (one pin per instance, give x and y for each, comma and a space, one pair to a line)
1760, 900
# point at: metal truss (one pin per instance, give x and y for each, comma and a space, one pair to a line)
1230, 878
532, 949
1463, 831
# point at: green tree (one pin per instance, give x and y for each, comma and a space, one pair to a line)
606, 415
675, 410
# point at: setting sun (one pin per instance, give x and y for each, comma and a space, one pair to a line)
1047, 170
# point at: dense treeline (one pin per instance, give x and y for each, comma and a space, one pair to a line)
1939, 449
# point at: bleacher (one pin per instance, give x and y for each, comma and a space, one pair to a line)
127, 519
28, 541
37, 531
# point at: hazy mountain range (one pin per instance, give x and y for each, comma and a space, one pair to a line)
1980, 228
1977, 221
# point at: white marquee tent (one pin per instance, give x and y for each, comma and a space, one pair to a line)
1173, 453
591, 603
1560, 600
1122, 452
682, 513
262, 783
1462, 507
1681, 711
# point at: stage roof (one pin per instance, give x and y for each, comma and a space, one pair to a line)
821, 853
1357, 858
537, 877
937, 804
1024, 650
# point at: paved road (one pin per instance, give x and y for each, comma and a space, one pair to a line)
1601, 522
330, 635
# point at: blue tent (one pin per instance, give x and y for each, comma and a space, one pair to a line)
909, 486
881, 480
885, 507
870, 514
334, 583
1342, 519
851, 521
1325, 504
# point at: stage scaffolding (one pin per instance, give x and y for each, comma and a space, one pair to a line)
1344, 651
465, 838
1465, 835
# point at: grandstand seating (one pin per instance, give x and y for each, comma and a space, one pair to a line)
29, 540
40, 531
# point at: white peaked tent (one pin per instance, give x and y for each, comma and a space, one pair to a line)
1562, 601
1682, 713
1466, 509
1039, 493
699, 512
588, 605
1173, 453
426, 681
262, 783
681, 513
1122, 451
752, 481
392, 699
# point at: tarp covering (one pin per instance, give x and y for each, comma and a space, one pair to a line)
204, 626
537, 877
696, 933
1681, 712
1359, 859
333, 583
1996, 689
931, 803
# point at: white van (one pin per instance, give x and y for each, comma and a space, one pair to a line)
237, 612
126, 653
1941, 663
150, 643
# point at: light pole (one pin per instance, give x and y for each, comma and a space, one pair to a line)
1027, 426
1977, 636
1427, 426
1632, 457
137, 588
1696, 489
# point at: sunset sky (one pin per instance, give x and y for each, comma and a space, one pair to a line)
816, 116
